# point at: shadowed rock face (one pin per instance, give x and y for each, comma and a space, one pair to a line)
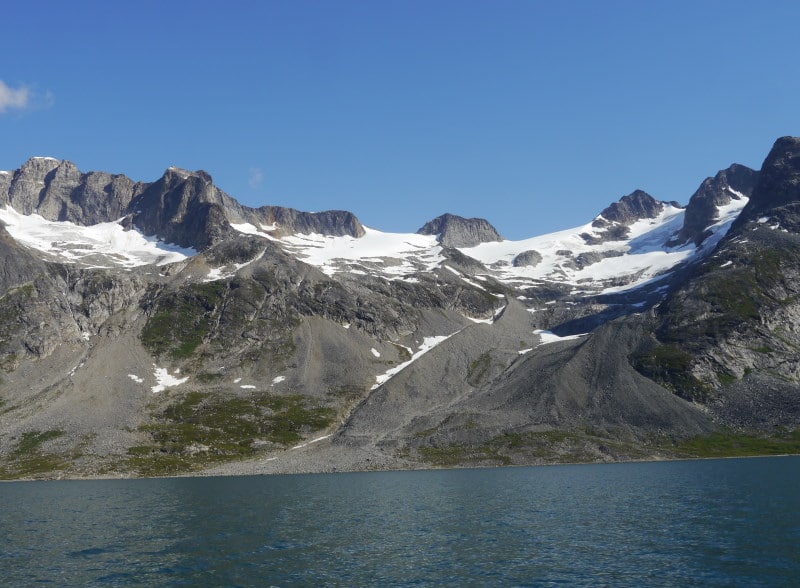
778, 184
456, 231
58, 191
701, 211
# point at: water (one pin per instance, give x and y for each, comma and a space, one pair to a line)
714, 523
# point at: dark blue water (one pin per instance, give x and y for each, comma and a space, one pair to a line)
712, 523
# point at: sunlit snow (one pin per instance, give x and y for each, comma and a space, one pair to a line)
546, 337
390, 254
103, 243
165, 380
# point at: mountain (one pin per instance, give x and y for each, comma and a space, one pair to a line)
159, 328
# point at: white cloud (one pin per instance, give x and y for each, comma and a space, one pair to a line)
13, 98
256, 177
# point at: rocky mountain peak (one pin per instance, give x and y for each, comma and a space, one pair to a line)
456, 231
778, 185
728, 184
628, 209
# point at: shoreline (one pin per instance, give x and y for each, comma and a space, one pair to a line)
209, 473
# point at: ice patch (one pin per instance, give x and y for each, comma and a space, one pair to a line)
165, 380
547, 337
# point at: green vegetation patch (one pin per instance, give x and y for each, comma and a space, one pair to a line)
479, 369
183, 319
732, 444
533, 447
27, 458
671, 367
202, 429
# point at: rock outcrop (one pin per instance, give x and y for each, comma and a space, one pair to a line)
456, 231
732, 183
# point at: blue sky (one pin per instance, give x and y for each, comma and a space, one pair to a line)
534, 115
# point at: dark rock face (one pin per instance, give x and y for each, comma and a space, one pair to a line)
288, 220
714, 192
778, 183
456, 231
58, 191
615, 219
628, 209
527, 259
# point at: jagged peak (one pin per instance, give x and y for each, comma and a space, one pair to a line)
778, 182
632, 207
184, 174
456, 231
732, 183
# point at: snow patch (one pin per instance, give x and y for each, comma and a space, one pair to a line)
306, 444
215, 274
165, 380
524, 351
278, 379
727, 264
428, 343
547, 337
247, 387
250, 229
375, 352
136, 378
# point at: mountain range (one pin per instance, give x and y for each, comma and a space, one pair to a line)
164, 328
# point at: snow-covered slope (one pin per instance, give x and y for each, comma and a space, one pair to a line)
391, 255
573, 256
101, 245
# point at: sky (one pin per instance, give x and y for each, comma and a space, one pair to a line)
534, 115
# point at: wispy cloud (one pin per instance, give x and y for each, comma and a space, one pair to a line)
10, 98
23, 98
256, 177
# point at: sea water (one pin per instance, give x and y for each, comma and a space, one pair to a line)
710, 523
